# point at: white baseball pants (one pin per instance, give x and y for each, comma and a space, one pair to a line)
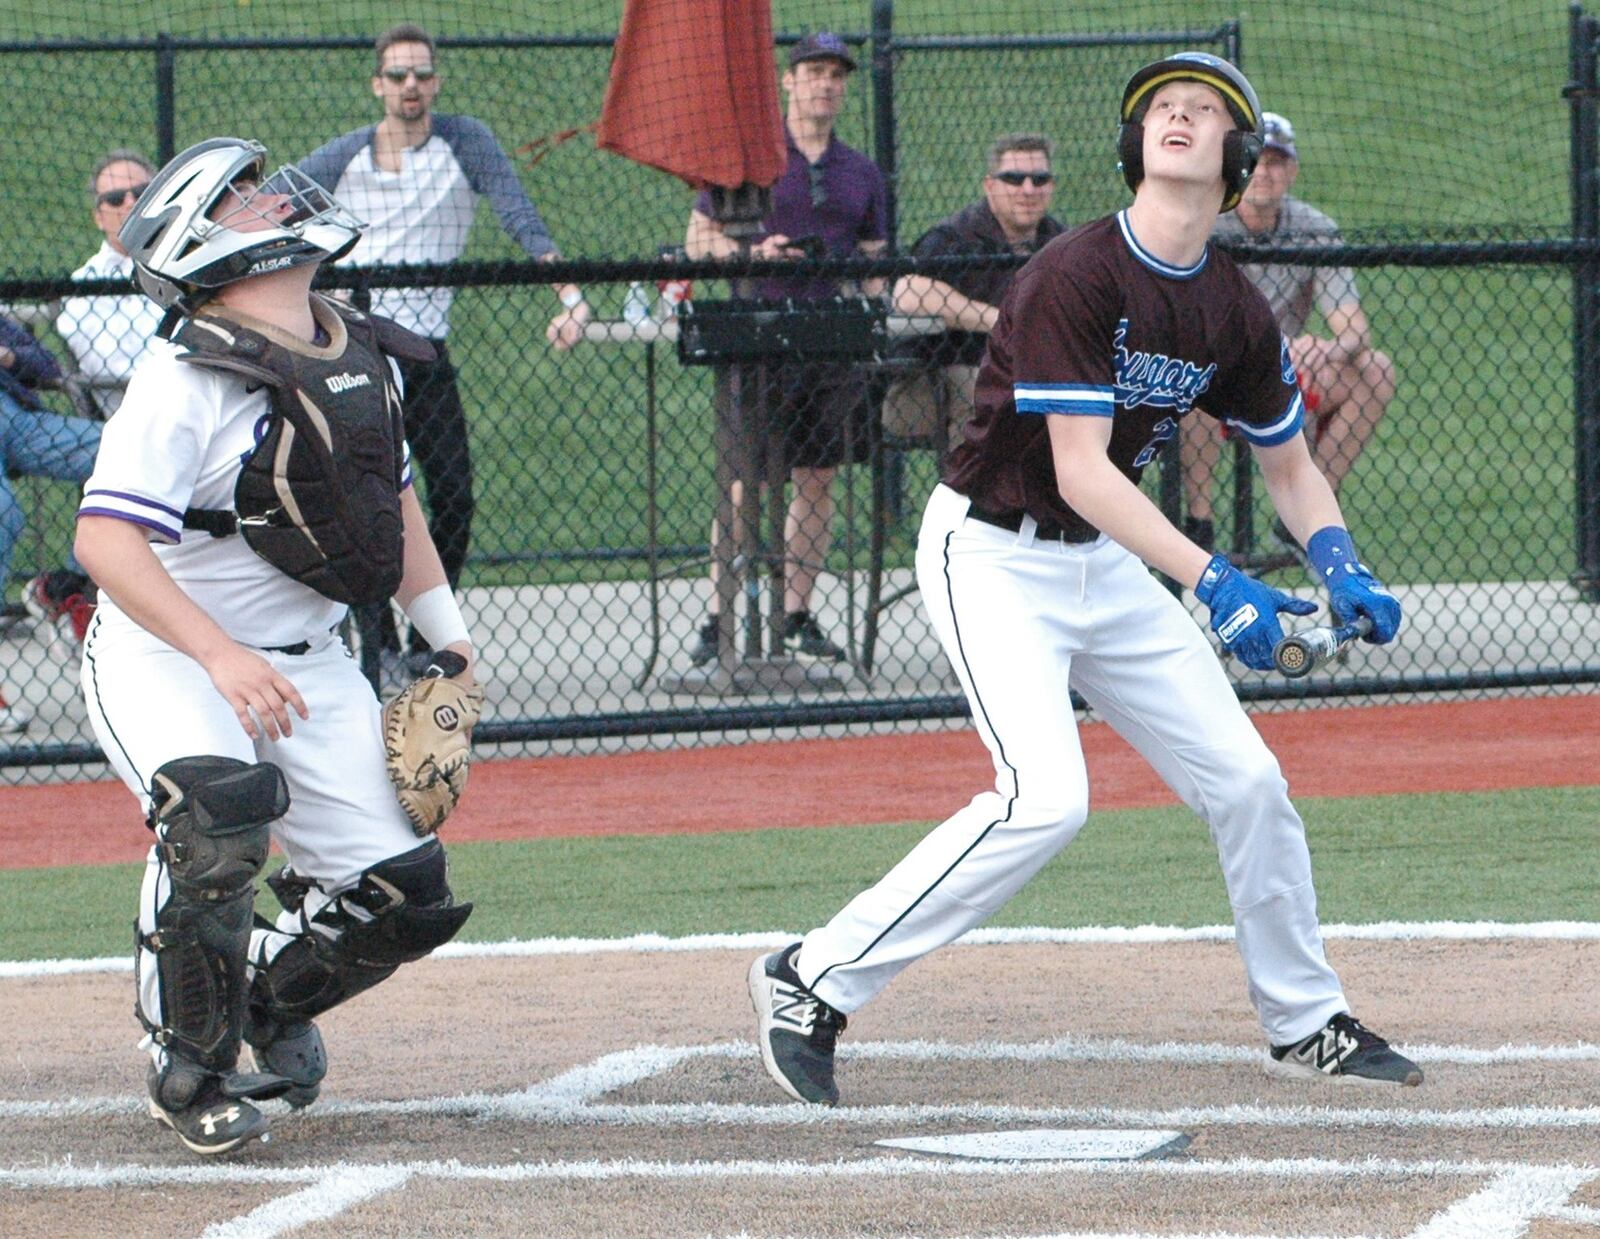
1019, 620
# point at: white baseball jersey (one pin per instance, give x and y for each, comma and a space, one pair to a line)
178, 441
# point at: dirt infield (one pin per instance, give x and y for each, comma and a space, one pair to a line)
620, 1095
1457, 746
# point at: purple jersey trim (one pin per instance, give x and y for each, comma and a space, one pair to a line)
174, 535
139, 499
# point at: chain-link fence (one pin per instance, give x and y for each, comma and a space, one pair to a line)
1439, 350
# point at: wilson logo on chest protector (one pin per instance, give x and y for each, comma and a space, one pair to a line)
344, 382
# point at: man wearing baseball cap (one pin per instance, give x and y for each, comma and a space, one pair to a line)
831, 202
1347, 383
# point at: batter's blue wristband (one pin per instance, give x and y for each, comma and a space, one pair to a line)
1330, 547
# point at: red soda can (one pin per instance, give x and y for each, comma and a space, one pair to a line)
673, 292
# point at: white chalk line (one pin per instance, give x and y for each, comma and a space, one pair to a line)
1110, 935
330, 1195
70, 1176
1507, 1203
573, 1095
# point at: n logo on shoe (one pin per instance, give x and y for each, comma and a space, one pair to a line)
1329, 1050
212, 1119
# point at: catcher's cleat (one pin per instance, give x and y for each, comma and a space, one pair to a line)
797, 1030
1343, 1049
293, 1051
213, 1122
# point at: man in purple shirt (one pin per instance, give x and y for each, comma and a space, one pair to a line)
830, 201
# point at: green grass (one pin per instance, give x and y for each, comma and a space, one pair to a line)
1503, 856
1470, 477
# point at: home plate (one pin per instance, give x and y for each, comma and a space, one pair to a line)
1049, 1145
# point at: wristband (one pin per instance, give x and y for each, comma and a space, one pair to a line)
573, 299
436, 616
1329, 548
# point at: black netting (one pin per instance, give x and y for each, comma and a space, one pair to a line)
1442, 142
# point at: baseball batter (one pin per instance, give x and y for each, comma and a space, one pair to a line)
1032, 561
214, 677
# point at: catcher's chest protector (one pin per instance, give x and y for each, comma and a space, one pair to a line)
319, 497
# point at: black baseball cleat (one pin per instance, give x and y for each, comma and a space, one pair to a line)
707, 644
803, 636
797, 1030
1343, 1049
212, 1122
294, 1051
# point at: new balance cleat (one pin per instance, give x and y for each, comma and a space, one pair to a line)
1345, 1050
797, 1030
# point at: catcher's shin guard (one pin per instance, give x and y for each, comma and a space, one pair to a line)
211, 817
399, 911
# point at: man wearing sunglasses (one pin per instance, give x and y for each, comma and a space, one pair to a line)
108, 333
830, 203
415, 179
1009, 223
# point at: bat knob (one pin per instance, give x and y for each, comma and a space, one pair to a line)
1294, 657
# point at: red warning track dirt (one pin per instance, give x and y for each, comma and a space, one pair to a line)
1356, 751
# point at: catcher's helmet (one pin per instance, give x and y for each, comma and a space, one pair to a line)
1240, 149
181, 256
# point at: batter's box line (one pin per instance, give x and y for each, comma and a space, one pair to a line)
574, 1095
1096, 935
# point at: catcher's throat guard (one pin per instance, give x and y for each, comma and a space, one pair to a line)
319, 497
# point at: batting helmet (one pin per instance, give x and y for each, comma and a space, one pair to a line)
1240, 149
181, 256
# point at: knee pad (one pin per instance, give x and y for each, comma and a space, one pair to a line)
212, 819
399, 911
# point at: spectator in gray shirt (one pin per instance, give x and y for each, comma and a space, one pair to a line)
414, 179
1346, 383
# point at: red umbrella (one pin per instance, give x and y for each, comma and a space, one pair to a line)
694, 93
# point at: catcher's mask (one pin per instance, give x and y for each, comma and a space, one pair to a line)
1241, 149
182, 255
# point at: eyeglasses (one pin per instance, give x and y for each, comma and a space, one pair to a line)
399, 73
819, 189
116, 197
1019, 179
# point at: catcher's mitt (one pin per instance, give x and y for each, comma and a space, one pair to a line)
427, 742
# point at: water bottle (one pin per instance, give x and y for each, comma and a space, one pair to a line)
636, 308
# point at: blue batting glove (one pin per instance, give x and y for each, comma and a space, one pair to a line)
1244, 612
1352, 589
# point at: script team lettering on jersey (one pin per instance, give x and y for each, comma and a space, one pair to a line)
1155, 378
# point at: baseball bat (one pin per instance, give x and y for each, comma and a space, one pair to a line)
1301, 653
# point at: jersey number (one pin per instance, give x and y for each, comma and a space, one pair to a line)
1164, 430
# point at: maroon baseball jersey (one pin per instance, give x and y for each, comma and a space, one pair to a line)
1097, 326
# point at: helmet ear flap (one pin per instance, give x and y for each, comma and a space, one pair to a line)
1130, 153
1241, 151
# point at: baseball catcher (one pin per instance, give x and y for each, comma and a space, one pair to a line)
255, 484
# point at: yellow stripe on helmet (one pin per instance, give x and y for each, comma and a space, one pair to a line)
1220, 84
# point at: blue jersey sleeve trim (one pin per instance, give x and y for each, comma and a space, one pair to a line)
1280, 431
1081, 399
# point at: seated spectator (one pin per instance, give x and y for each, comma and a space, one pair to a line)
1011, 219
108, 333
36, 443
1346, 383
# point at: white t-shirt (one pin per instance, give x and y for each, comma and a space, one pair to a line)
107, 334
179, 441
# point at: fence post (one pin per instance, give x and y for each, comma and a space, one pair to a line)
883, 132
1581, 92
166, 99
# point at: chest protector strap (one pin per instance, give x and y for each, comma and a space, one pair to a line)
319, 497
